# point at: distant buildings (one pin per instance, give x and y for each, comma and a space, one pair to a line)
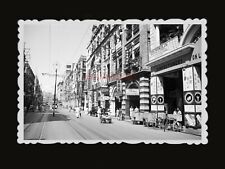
74, 84
33, 96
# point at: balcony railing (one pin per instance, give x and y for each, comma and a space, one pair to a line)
135, 29
164, 48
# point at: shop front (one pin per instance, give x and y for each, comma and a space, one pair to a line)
175, 81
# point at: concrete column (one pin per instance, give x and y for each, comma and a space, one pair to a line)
144, 54
123, 97
144, 95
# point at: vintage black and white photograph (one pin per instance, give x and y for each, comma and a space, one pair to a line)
112, 81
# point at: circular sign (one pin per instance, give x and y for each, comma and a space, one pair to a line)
188, 97
160, 99
153, 99
198, 97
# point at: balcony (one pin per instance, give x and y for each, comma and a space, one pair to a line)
135, 29
164, 48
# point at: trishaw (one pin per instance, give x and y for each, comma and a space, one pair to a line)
149, 119
105, 117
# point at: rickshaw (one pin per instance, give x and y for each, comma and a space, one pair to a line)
105, 117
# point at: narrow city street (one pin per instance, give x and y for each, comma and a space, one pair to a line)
65, 126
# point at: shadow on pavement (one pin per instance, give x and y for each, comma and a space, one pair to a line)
44, 117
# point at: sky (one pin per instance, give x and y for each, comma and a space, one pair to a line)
55, 42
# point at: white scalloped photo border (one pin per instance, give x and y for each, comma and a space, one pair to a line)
20, 115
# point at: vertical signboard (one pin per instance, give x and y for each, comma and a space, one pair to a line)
153, 93
192, 95
160, 93
157, 94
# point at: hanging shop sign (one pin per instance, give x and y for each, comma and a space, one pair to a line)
132, 92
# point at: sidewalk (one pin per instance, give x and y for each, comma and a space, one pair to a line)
185, 130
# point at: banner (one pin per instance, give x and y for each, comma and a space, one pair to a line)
159, 84
188, 79
197, 78
153, 85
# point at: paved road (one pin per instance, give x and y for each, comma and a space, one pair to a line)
65, 126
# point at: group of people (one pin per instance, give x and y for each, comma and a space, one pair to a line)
77, 111
133, 111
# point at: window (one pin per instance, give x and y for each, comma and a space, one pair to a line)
128, 31
135, 29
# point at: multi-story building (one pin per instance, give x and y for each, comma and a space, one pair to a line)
80, 82
100, 65
149, 66
175, 59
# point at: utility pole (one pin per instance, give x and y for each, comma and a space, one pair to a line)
55, 92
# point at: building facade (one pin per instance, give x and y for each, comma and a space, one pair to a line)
175, 63
154, 67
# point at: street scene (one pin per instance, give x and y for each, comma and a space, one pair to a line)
113, 81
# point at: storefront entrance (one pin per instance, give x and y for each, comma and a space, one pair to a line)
117, 103
173, 91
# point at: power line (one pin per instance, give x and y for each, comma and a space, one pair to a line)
88, 28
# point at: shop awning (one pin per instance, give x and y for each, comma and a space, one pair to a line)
171, 55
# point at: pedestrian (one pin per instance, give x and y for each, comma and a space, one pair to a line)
136, 110
99, 111
131, 112
117, 112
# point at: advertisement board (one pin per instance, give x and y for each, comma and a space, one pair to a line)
153, 85
159, 85
197, 79
188, 79
132, 92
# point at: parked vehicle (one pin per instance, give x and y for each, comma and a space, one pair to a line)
105, 118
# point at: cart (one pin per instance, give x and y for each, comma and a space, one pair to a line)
105, 118
149, 119
137, 118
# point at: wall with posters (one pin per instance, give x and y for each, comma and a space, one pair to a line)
192, 96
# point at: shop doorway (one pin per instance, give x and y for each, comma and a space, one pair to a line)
118, 103
134, 101
173, 91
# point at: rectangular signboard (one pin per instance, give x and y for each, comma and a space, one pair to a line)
160, 107
197, 79
188, 79
189, 108
153, 85
159, 84
132, 92
153, 107
198, 108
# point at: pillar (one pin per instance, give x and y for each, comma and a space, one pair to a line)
124, 98
144, 95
